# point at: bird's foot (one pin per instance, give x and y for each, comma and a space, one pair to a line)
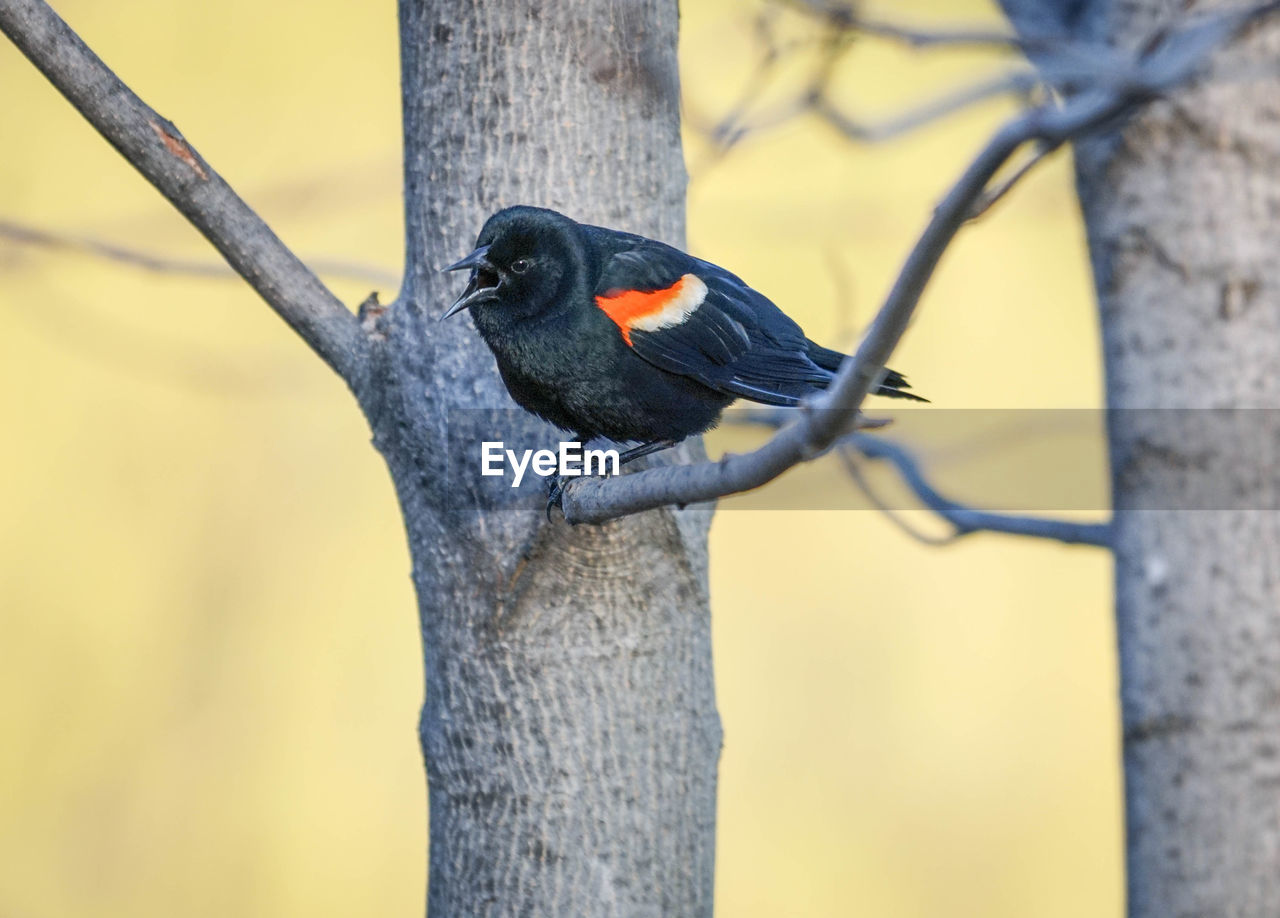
555, 494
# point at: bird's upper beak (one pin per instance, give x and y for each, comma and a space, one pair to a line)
481, 287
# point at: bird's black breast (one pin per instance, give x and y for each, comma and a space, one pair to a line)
574, 370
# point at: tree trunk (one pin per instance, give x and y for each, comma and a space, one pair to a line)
569, 730
1182, 209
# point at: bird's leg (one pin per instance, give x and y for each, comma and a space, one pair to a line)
555, 483
644, 449
555, 492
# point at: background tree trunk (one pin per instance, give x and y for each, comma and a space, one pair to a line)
569, 729
1182, 209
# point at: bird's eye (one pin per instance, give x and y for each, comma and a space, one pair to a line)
521, 265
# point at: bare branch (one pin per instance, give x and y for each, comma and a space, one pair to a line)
105, 339
24, 234
841, 24
1017, 83
967, 520
734, 126
158, 150
1065, 66
994, 194
849, 457
1170, 60
961, 36
843, 297
848, 17
964, 519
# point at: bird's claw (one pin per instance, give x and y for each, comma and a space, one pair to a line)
555, 494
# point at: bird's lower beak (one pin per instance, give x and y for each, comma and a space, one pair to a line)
481, 287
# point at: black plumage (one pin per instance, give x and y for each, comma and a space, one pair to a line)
609, 334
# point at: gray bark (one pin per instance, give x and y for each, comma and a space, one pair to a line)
569, 730
1182, 209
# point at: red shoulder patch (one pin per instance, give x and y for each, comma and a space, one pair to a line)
653, 309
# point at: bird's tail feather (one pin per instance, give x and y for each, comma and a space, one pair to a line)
894, 384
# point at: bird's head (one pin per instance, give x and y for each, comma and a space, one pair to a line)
523, 263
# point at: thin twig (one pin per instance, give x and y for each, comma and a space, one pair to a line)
24, 234
157, 149
992, 195
964, 520
849, 457
732, 128
963, 36
967, 520
1017, 83
849, 17
842, 24
102, 338
844, 303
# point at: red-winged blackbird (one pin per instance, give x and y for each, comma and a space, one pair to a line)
608, 334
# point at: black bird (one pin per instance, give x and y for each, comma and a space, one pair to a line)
608, 334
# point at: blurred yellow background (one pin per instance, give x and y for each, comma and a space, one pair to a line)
209, 661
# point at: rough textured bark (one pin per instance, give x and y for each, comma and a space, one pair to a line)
1182, 209
569, 730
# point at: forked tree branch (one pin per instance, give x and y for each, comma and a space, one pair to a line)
156, 149
816, 97
963, 519
1168, 60
967, 520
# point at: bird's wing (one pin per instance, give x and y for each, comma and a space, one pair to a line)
690, 317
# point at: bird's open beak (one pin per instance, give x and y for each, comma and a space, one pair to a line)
481, 287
